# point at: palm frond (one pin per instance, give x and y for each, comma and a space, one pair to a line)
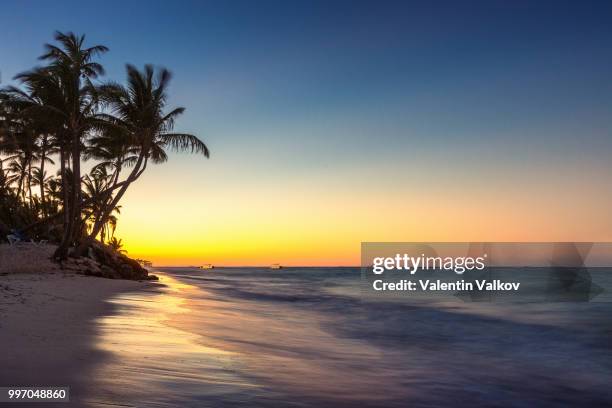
183, 141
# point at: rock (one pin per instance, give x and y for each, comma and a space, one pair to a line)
102, 260
126, 271
91, 254
108, 272
97, 273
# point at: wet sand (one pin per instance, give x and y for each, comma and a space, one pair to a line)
48, 326
257, 338
301, 339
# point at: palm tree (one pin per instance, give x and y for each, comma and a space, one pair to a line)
40, 179
57, 110
112, 149
95, 184
17, 170
117, 245
46, 149
72, 65
137, 111
53, 194
18, 143
41, 101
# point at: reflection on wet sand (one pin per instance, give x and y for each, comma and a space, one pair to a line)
308, 338
153, 362
288, 349
243, 352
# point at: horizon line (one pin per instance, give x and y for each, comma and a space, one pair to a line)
258, 266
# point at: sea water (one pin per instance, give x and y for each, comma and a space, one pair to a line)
312, 337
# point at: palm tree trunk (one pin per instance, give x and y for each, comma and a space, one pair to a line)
85, 202
21, 186
65, 199
62, 250
76, 184
43, 157
30, 182
136, 171
106, 211
74, 230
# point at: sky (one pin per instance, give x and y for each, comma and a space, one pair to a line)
332, 123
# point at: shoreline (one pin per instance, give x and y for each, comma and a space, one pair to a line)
217, 340
48, 322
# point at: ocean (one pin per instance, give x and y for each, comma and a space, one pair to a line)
311, 337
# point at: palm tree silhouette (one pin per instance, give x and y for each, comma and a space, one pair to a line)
138, 130
61, 110
71, 65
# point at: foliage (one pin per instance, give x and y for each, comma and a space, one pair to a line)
61, 115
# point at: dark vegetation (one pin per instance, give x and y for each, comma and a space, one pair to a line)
62, 114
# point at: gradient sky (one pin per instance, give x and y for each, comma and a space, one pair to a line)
332, 123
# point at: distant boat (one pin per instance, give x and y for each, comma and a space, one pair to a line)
207, 266
275, 266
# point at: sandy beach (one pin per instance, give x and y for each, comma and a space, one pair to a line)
306, 204
306, 337
48, 320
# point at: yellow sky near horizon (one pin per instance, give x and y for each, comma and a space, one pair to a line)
233, 222
329, 127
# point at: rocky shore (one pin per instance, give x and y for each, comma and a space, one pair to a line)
100, 261
104, 262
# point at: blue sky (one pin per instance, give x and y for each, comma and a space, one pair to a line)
340, 95
460, 70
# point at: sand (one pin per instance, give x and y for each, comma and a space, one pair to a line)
48, 319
